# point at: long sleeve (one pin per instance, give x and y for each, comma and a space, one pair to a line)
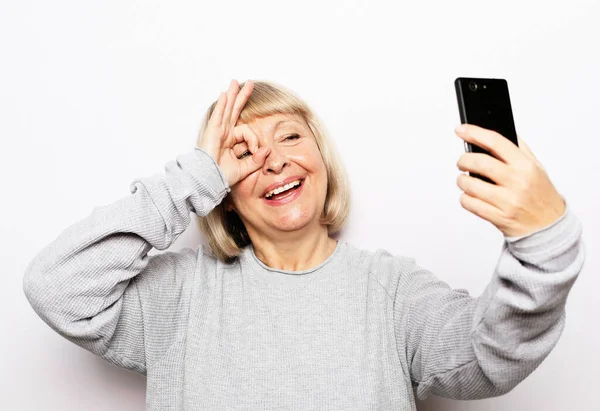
92, 284
461, 347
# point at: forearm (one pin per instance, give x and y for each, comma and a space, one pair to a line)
515, 324
76, 283
526, 313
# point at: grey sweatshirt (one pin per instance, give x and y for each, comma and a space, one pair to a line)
360, 331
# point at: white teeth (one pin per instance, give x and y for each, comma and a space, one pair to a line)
282, 188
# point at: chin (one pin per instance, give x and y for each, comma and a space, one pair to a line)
294, 219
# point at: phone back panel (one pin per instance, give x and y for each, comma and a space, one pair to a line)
486, 103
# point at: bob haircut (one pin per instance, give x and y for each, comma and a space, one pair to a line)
224, 230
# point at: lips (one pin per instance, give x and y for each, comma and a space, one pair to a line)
281, 184
288, 197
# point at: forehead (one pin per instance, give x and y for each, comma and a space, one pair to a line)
270, 124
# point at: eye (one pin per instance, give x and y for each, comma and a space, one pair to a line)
292, 137
244, 154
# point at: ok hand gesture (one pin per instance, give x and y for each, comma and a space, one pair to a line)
222, 135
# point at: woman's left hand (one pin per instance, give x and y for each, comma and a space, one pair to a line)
523, 200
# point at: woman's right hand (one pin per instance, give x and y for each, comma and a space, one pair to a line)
222, 135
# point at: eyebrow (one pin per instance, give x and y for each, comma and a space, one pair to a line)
280, 122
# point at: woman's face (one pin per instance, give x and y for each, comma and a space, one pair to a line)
294, 157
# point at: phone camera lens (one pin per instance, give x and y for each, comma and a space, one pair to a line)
473, 86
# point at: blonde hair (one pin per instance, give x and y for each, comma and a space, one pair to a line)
224, 230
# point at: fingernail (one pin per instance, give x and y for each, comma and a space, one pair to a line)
460, 128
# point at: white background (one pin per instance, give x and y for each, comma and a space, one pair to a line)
95, 94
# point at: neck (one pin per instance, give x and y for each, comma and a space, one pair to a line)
293, 251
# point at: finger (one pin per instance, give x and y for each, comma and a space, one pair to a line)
217, 114
243, 133
252, 163
240, 148
234, 88
526, 150
500, 146
485, 165
475, 187
480, 208
241, 100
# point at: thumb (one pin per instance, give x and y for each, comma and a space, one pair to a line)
250, 164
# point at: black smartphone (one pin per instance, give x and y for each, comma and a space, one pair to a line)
485, 102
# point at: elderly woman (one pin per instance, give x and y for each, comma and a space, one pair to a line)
277, 314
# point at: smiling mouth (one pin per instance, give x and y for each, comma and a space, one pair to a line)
284, 191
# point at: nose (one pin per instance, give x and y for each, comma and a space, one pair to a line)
276, 161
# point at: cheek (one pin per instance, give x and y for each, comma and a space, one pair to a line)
311, 161
242, 191
318, 166
310, 158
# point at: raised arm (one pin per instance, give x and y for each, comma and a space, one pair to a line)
84, 283
461, 347
96, 285
467, 348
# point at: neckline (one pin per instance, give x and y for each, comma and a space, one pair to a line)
335, 251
